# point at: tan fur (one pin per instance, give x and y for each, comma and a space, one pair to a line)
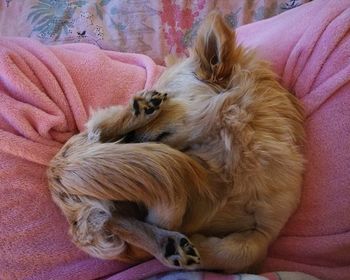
217, 158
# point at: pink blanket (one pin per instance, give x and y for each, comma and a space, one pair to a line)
45, 96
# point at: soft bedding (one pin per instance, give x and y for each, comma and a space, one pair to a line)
45, 97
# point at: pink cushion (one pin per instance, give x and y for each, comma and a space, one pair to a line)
312, 56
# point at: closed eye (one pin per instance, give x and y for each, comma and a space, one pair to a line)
162, 136
130, 138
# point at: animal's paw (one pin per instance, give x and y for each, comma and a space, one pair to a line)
100, 127
147, 102
180, 253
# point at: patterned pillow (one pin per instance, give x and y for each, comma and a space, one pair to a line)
155, 28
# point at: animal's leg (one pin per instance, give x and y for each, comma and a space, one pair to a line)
234, 253
113, 123
169, 247
243, 251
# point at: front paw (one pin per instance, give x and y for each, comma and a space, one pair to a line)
100, 126
148, 102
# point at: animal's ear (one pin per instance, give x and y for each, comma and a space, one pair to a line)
216, 50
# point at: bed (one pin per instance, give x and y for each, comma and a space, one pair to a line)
46, 90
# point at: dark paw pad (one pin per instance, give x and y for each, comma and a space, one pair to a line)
148, 102
150, 110
157, 98
136, 107
179, 252
170, 248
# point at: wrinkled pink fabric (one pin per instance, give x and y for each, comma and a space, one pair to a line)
45, 96
310, 49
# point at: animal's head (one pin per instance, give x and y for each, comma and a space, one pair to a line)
190, 82
193, 85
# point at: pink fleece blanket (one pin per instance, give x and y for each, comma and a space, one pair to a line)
45, 96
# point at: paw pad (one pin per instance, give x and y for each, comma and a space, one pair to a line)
148, 102
179, 252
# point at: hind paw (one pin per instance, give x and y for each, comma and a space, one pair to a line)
180, 253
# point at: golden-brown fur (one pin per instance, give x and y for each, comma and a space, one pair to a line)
204, 176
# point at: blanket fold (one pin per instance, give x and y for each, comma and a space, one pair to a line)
45, 97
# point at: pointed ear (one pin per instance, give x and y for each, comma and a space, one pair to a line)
216, 50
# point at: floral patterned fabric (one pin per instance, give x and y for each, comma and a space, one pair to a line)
152, 27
